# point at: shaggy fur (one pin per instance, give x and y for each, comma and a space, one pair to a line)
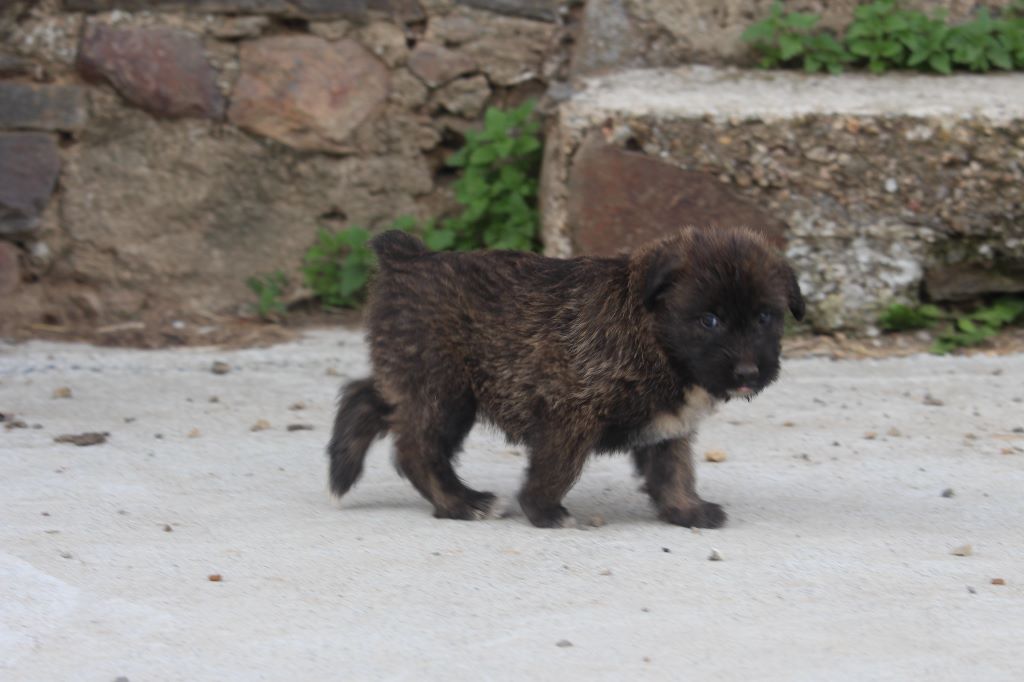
568, 357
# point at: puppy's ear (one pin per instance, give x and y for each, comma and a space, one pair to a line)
659, 272
793, 295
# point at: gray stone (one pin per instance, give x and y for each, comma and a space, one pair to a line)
386, 40
29, 166
464, 96
609, 39
310, 9
542, 10
436, 65
162, 70
967, 280
202, 207
236, 28
10, 271
400, 11
306, 92
42, 107
509, 50
13, 65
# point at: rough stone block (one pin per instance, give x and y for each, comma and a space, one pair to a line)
310, 9
436, 65
42, 107
878, 181
306, 92
541, 10
29, 166
162, 70
10, 271
620, 200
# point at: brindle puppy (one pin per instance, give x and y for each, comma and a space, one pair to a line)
568, 357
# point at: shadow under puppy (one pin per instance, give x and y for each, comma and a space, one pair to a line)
568, 357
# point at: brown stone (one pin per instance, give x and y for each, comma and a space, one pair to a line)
401, 11
10, 275
29, 165
964, 281
436, 65
162, 70
306, 92
509, 50
619, 200
465, 96
42, 107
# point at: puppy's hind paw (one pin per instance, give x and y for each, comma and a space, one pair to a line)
702, 515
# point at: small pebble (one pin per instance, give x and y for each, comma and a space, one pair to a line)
788, 424
219, 367
971, 590
129, 420
299, 427
297, 406
1018, 429
948, 492
715, 555
963, 550
998, 581
260, 425
563, 643
332, 372
715, 456
167, 528
894, 432
871, 435
606, 571
82, 439
1007, 451
666, 550
929, 399
65, 555
970, 436
596, 520
214, 399
214, 577
62, 392
194, 433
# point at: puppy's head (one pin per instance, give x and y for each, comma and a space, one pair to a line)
717, 300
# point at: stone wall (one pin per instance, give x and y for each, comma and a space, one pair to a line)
153, 155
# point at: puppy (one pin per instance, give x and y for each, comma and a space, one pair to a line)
567, 357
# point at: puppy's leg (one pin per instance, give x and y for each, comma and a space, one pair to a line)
554, 468
427, 437
670, 481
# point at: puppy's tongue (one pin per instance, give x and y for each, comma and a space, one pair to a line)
744, 390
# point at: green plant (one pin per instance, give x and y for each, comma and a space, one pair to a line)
269, 290
337, 267
984, 323
900, 317
785, 38
877, 35
884, 36
498, 186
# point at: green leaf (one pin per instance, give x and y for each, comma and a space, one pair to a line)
482, 156
439, 239
791, 46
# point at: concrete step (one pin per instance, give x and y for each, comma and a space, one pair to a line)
880, 187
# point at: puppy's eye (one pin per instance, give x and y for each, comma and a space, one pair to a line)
709, 320
765, 317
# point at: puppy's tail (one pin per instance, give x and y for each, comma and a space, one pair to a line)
362, 417
397, 245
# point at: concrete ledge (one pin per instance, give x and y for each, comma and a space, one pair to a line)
881, 182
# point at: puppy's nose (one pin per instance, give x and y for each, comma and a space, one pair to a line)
746, 373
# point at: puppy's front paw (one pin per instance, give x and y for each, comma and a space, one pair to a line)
702, 515
475, 507
548, 517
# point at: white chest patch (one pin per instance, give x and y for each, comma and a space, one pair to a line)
683, 422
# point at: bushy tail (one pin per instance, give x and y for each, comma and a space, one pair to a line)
397, 245
362, 417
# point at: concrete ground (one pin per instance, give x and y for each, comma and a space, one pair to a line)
836, 565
